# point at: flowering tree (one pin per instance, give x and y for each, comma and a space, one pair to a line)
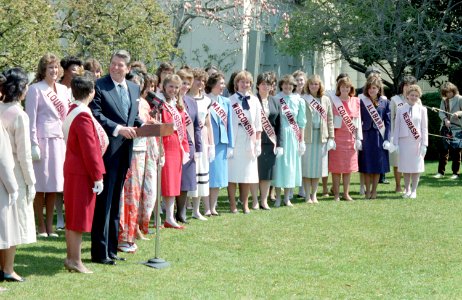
234, 18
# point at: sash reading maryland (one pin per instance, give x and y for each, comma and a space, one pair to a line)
57, 103
343, 113
221, 113
179, 128
291, 119
314, 104
407, 119
374, 115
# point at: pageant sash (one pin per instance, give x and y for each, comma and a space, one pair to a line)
58, 104
269, 130
179, 128
102, 136
247, 126
314, 104
397, 99
291, 119
189, 126
407, 119
374, 115
343, 113
221, 113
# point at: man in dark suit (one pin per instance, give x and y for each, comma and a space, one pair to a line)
115, 107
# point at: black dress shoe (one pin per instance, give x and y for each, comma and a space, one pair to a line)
104, 261
181, 220
1, 276
115, 257
8, 277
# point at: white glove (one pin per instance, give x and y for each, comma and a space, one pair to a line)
162, 161
301, 148
98, 188
230, 153
386, 145
13, 197
423, 150
211, 153
358, 145
279, 151
196, 156
35, 151
258, 148
331, 145
30, 193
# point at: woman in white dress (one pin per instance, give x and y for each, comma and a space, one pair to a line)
411, 137
246, 122
16, 123
207, 155
396, 102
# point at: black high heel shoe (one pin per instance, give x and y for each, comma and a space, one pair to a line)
10, 278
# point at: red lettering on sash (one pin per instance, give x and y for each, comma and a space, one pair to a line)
291, 119
407, 119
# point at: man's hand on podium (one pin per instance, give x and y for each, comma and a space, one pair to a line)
128, 132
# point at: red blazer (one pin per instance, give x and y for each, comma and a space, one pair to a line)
83, 152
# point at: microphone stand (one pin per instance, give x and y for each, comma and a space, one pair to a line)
157, 262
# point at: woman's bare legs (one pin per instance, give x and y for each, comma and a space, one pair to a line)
232, 196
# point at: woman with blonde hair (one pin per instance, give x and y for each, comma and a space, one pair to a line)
288, 169
247, 128
319, 136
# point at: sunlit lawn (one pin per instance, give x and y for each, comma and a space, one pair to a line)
385, 248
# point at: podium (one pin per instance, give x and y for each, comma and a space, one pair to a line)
157, 130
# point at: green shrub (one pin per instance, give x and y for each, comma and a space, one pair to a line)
434, 123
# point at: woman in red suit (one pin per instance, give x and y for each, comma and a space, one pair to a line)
176, 147
83, 168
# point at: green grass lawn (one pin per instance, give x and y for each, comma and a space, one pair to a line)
367, 249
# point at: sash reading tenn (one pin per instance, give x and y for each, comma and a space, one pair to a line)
314, 104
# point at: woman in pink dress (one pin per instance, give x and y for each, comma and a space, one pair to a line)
176, 147
47, 103
348, 135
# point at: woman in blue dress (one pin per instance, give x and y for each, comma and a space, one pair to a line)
221, 114
288, 172
373, 158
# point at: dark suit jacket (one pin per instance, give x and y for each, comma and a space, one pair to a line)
107, 109
275, 120
384, 112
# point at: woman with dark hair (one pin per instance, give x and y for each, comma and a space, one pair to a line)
47, 103
83, 168
164, 69
396, 102
343, 160
375, 117
270, 138
93, 66
221, 121
21, 224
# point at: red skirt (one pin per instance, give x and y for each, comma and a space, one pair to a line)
79, 201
